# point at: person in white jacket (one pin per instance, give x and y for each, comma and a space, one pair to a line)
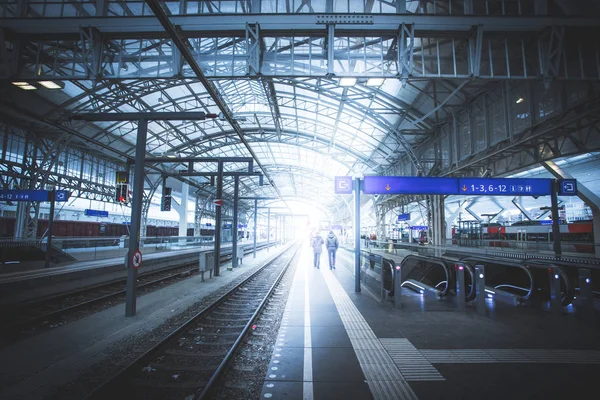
332, 244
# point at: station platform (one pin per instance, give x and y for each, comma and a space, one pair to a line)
335, 343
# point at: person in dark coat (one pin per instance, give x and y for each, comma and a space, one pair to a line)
332, 244
317, 245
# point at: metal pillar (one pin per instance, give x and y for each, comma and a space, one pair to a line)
460, 286
136, 216
357, 235
183, 213
586, 296
218, 209
52, 198
268, 229
255, 218
480, 289
398, 286
555, 293
236, 188
555, 226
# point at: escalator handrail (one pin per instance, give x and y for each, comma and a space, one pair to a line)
473, 260
434, 260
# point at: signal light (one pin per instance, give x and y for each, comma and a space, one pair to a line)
122, 195
165, 202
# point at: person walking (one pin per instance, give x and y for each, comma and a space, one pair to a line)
332, 246
317, 245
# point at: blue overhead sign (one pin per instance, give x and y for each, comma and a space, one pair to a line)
505, 186
409, 185
404, 217
95, 213
343, 184
567, 187
459, 186
33, 195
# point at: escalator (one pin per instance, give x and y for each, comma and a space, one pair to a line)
427, 274
505, 280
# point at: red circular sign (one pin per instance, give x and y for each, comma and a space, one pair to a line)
136, 260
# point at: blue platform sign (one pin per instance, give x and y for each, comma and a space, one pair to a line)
404, 217
409, 185
567, 187
95, 213
505, 186
343, 184
33, 195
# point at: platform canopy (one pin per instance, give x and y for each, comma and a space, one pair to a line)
308, 89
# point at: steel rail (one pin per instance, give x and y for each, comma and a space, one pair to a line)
122, 372
217, 375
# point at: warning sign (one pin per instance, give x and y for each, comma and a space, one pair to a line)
137, 259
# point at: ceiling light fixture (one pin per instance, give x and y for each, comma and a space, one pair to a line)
20, 83
27, 87
347, 82
161, 101
520, 100
375, 81
52, 85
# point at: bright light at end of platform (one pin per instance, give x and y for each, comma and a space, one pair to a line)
556, 276
347, 81
375, 81
520, 100
481, 276
587, 280
397, 268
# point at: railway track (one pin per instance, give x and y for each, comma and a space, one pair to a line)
188, 363
34, 318
55, 311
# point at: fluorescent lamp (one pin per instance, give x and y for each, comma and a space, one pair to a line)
52, 84
347, 81
520, 100
27, 87
20, 83
375, 81
161, 101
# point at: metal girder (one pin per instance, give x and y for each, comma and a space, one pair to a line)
406, 45
574, 131
179, 39
400, 52
551, 51
291, 24
136, 116
253, 49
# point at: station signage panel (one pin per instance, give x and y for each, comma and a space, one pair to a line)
95, 213
505, 186
343, 184
33, 195
458, 186
567, 187
404, 217
409, 185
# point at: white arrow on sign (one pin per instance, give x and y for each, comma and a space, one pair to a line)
568, 187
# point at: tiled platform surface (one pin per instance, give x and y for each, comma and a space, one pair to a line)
338, 344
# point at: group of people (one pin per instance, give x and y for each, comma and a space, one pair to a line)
331, 245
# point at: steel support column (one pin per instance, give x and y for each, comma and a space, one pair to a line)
183, 213
218, 210
234, 225
357, 235
588, 197
255, 218
136, 217
268, 229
